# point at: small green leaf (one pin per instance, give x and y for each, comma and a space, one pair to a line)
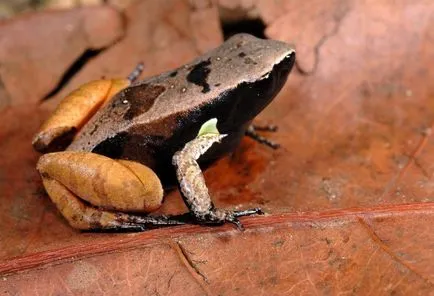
209, 127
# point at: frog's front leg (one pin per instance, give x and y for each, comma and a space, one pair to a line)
252, 132
193, 188
94, 192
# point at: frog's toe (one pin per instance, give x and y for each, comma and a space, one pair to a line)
252, 133
218, 217
249, 212
234, 220
266, 128
232, 217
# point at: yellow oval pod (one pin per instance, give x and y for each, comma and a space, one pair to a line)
74, 111
104, 182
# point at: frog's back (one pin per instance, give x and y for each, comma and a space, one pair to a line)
153, 118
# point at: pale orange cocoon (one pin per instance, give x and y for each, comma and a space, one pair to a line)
75, 110
103, 182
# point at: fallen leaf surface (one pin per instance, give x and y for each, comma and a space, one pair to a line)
349, 196
37, 49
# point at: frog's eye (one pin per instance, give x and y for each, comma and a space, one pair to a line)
209, 127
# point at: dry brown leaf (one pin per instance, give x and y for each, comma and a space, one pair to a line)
37, 49
349, 194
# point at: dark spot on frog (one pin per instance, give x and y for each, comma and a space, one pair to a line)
241, 54
141, 98
173, 74
95, 127
217, 84
199, 74
249, 61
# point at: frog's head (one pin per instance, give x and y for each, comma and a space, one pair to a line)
243, 75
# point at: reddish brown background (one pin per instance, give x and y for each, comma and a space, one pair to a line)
349, 194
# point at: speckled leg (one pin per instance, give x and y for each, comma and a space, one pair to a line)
252, 133
193, 188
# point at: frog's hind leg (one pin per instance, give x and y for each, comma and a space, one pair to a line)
193, 188
75, 110
83, 216
95, 192
252, 132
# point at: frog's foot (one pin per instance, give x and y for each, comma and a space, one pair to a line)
252, 132
193, 188
75, 109
218, 217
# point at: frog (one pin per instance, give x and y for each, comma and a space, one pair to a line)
112, 147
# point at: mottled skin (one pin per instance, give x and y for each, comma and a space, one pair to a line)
151, 120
